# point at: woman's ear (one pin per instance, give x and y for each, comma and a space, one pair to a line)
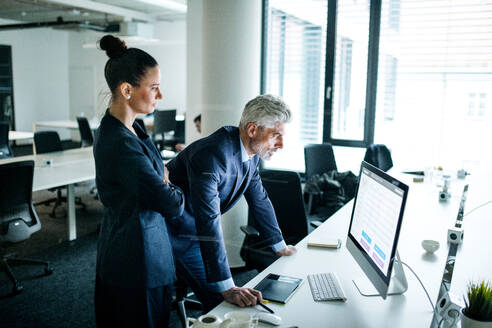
126, 90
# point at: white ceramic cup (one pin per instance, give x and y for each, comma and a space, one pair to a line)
238, 319
205, 321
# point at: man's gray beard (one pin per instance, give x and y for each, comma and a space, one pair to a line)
261, 151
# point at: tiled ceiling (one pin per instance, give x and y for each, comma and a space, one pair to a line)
100, 12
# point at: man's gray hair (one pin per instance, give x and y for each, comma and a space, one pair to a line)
265, 111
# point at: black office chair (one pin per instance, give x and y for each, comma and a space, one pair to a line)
182, 299
319, 158
179, 133
18, 219
86, 137
379, 156
164, 122
47, 142
285, 193
5, 150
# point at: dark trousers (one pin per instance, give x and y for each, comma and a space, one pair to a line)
190, 269
132, 307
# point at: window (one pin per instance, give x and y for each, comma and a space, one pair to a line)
294, 70
434, 74
415, 75
350, 71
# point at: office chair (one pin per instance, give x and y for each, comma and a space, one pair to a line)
179, 133
379, 156
86, 137
164, 122
319, 158
18, 219
5, 150
285, 193
182, 298
47, 142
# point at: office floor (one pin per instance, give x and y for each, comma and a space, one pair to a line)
65, 298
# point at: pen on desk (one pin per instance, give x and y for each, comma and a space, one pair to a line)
265, 307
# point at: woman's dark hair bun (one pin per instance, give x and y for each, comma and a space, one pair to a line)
113, 46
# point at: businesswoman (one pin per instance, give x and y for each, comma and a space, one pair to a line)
135, 268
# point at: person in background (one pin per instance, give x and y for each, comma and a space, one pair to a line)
214, 172
198, 123
135, 265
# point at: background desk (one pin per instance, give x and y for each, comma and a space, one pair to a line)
67, 124
67, 168
19, 135
425, 218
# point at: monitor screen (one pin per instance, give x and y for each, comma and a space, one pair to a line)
375, 224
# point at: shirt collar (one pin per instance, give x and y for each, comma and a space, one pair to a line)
244, 154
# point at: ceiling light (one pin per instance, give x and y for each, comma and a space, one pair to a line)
168, 4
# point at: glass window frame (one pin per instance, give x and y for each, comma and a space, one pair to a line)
372, 71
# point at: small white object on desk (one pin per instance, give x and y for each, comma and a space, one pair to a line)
430, 246
324, 242
269, 318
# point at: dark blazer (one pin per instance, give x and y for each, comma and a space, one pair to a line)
211, 174
133, 247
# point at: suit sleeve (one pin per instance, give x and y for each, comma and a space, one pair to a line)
263, 211
204, 174
140, 178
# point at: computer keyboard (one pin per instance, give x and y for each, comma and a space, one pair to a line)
326, 287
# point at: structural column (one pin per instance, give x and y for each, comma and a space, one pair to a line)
229, 76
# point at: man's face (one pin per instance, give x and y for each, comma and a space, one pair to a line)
267, 140
198, 125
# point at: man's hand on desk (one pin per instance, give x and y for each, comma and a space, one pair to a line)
242, 296
287, 251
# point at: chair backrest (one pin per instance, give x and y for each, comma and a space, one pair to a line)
86, 137
164, 121
285, 193
18, 219
47, 142
319, 158
179, 133
379, 156
141, 123
5, 150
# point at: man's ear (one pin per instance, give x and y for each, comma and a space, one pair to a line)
126, 90
252, 129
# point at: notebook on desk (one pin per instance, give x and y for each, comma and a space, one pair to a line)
278, 288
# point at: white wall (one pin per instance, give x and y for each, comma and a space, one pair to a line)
40, 74
55, 78
88, 63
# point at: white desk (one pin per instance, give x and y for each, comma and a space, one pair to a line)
67, 168
425, 218
66, 124
20, 135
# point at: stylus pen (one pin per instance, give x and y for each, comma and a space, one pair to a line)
266, 307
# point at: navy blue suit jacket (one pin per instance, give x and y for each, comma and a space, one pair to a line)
210, 173
133, 247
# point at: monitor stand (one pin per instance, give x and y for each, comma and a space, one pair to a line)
398, 283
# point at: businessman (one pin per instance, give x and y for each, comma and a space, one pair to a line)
214, 172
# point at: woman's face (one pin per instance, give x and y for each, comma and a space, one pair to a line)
144, 97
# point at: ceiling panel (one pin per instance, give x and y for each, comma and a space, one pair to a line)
49, 11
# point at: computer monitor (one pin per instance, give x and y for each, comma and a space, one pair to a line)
374, 230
